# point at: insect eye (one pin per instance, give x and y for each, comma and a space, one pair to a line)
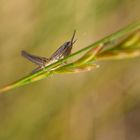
66, 44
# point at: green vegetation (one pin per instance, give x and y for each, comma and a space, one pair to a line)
127, 46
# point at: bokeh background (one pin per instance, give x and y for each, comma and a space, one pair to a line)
103, 104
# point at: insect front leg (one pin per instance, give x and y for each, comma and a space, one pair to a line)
43, 64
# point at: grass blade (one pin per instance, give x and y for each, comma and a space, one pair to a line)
83, 63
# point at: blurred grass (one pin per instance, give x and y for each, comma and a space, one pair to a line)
73, 106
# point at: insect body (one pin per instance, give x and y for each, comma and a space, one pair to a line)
63, 51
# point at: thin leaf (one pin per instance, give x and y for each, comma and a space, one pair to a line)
127, 48
89, 56
70, 68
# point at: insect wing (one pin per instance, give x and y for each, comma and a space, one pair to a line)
58, 54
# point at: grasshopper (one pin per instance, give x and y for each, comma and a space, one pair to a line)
62, 52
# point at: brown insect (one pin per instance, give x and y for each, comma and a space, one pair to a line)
62, 52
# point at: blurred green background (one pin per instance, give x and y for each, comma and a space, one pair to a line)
103, 104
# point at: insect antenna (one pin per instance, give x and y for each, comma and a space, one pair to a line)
72, 39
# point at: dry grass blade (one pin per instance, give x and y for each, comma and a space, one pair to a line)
126, 48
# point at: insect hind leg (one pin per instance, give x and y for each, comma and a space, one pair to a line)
36, 70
